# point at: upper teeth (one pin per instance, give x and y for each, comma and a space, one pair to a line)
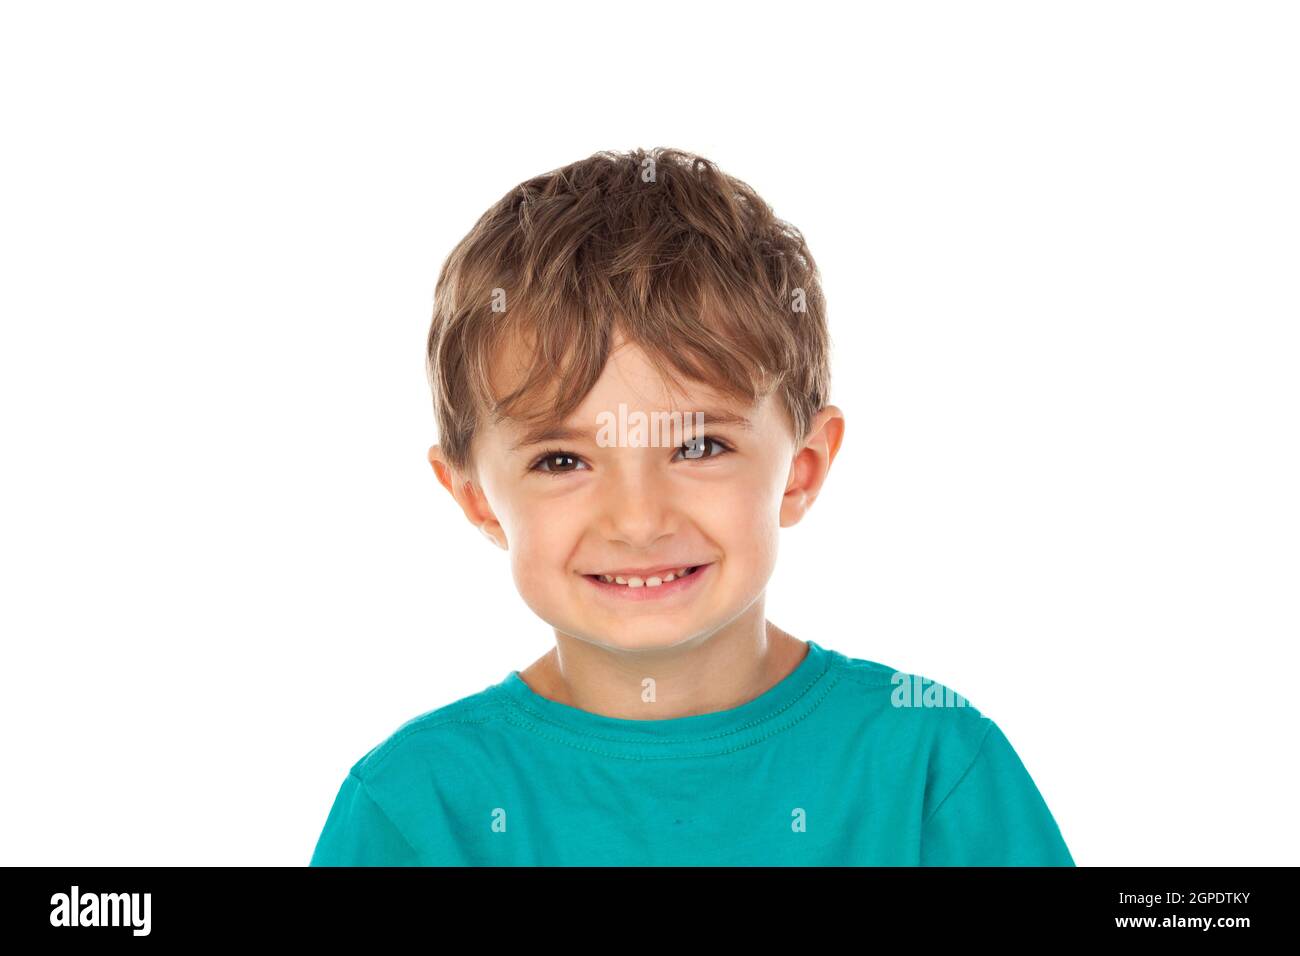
651, 582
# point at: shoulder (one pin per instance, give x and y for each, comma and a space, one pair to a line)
439, 737
910, 714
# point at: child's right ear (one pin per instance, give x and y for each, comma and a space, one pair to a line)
470, 499
443, 471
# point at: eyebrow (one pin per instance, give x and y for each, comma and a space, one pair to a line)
573, 433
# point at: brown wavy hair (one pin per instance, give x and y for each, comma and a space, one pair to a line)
683, 260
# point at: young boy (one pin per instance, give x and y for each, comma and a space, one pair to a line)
671, 723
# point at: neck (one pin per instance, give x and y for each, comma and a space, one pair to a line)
717, 672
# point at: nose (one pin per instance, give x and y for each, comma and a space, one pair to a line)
638, 506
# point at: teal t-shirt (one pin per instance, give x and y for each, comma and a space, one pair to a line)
845, 762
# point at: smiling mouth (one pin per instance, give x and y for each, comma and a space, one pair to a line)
639, 589
650, 581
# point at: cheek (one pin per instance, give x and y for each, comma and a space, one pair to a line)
746, 523
538, 581
541, 546
537, 528
529, 579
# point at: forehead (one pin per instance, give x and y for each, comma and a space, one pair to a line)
628, 379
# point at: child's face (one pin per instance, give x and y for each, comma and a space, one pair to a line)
568, 508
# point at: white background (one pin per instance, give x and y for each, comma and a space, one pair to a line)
1059, 243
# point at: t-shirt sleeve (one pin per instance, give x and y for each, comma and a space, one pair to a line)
358, 832
993, 816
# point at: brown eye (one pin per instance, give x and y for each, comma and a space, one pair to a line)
700, 444
555, 463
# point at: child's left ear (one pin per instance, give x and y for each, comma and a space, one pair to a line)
811, 464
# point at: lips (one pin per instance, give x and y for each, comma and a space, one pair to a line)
642, 572
649, 592
642, 578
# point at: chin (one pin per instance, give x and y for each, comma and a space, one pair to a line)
646, 635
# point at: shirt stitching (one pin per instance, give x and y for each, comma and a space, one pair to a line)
543, 719
541, 732
369, 795
858, 679
382, 752
951, 790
